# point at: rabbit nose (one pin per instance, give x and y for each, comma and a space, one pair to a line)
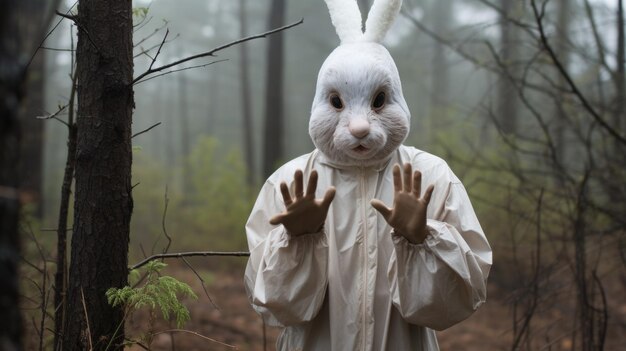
359, 127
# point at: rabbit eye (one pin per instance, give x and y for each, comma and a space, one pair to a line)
379, 101
335, 100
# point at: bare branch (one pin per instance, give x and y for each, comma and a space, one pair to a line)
212, 52
202, 282
581, 97
167, 32
181, 69
189, 254
56, 114
146, 130
196, 334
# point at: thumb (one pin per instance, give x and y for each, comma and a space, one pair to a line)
380, 207
278, 219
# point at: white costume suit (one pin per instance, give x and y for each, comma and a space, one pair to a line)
355, 285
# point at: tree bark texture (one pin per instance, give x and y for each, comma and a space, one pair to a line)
103, 202
12, 76
274, 109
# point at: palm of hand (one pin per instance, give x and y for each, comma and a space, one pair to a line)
408, 215
304, 213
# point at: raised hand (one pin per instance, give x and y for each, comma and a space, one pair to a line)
408, 215
303, 214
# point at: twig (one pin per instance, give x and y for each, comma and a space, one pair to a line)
194, 333
202, 282
54, 115
82, 295
180, 69
212, 52
48, 20
56, 49
189, 254
583, 100
146, 51
169, 238
167, 32
66, 16
146, 130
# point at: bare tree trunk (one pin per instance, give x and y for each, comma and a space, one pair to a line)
507, 96
563, 54
60, 277
31, 162
12, 76
15, 46
246, 122
274, 119
103, 199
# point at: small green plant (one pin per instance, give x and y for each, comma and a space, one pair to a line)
155, 292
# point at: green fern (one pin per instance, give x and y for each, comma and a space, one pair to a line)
157, 292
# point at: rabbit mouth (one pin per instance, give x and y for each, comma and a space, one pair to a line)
361, 149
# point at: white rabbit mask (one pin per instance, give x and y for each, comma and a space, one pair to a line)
359, 116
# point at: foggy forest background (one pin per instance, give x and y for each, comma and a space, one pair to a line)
524, 100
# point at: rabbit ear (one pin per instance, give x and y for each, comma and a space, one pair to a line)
346, 18
380, 18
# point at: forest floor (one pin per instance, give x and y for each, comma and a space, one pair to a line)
227, 322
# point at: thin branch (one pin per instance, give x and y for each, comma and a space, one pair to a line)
66, 16
82, 298
167, 32
181, 69
202, 282
56, 114
196, 334
212, 52
583, 100
56, 49
167, 236
46, 22
189, 254
146, 51
147, 37
146, 130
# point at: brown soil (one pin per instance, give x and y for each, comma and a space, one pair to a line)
228, 322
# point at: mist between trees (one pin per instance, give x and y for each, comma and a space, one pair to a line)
525, 100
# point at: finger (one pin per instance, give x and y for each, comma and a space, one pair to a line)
328, 197
428, 193
417, 184
285, 191
380, 207
397, 179
299, 187
312, 186
407, 177
278, 219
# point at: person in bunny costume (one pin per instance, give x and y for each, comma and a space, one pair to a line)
331, 262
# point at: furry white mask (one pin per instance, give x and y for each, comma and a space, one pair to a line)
359, 115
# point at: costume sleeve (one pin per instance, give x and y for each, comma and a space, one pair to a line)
286, 277
442, 281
